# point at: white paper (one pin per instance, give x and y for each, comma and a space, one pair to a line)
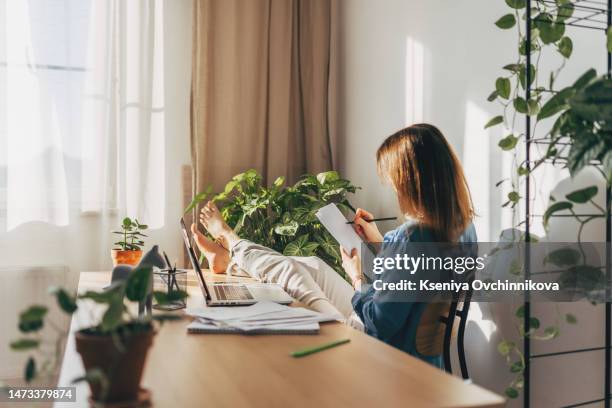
333, 220
237, 312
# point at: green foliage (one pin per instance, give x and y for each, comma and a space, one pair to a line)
115, 318
587, 123
506, 22
24, 344
131, 235
580, 136
563, 257
583, 195
570, 318
556, 207
508, 142
494, 121
565, 47
32, 319
283, 217
65, 301
502, 86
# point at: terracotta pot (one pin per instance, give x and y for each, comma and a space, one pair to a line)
121, 257
123, 368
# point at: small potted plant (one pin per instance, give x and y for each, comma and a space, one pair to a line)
113, 349
128, 250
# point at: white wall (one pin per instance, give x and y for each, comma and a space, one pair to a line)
436, 61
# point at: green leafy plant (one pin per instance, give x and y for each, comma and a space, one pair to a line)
283, 217
131, 235
580, 136
116, 321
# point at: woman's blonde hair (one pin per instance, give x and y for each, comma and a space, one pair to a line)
428, 179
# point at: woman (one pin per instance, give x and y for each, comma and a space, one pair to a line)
433, 195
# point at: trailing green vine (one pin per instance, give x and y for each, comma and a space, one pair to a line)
580, 136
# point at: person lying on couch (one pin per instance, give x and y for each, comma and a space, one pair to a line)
433, 195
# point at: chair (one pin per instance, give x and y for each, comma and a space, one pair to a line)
438, 326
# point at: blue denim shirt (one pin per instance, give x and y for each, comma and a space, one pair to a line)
396, 323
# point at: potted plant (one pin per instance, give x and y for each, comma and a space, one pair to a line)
128, 250
283, 217
113, 348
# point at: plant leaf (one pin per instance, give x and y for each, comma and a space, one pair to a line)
583, 195
550, 30
112, 318
516, 4
520, 312
511, 392
570, 318
565, 47
502, 86
563, 257
520, 104
555, 207
565, 11
585, 78
522, 75
327, 176
506, 22
288, 229
138, 284
31, 319
505, 347
495, 121
517, 367
65, 301
556, 104
508, 142
163, 298
30, 370
24, 344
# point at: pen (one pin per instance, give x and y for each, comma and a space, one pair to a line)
316, 349
375, 219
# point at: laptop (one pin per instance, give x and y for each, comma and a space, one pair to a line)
233, 294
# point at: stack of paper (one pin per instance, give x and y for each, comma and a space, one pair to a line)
260, 318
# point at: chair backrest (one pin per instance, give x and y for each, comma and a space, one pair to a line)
431, 329
440, 322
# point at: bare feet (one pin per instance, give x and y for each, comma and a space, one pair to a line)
211, 219
217, 256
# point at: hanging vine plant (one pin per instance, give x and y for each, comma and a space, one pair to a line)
580, 136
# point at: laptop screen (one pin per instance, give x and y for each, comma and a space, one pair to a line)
194, 260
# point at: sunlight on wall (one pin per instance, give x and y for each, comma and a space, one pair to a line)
488, 327
477, 167
415, 61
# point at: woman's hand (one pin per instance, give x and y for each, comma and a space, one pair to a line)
368, 231
352, 266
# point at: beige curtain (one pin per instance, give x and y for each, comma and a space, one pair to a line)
263, 88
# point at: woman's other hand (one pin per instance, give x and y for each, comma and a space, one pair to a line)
352, 266
368, 231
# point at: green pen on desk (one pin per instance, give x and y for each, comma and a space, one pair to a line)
311, 350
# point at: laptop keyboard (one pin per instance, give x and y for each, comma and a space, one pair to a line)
232, 292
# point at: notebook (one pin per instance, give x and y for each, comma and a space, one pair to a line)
333, 220
261, 318
203, 327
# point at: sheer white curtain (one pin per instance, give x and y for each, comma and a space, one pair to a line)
81, 110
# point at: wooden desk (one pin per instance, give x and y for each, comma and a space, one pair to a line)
217, 370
